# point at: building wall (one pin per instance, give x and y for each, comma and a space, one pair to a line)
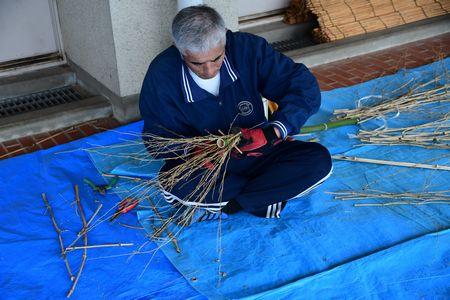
115, 40
141, 30
88, 41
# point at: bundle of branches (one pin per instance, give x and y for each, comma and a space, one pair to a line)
203, 156
438, 197
297, 12
434, 134
415, 98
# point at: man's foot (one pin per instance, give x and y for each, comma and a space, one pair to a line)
232, 207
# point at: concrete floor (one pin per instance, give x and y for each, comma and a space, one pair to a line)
333, 75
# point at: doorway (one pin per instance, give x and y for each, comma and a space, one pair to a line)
29, 35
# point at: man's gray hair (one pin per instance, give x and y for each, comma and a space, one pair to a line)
198, 29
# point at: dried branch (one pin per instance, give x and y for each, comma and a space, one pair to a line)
98, 246
58, 232
203, 158
85, 240
194, 153
157, 232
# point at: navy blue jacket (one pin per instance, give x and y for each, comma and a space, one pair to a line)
170, 98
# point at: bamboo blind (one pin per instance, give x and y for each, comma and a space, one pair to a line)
344, 18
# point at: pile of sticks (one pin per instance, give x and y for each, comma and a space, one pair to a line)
438, 197
340, 19
411, 100
83, 233
203, 157
200, 158
430, 135
297, 12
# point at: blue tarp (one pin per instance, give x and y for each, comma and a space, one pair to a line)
30, 263
321, 248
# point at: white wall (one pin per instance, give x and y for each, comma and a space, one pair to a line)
115, 40
251, 7
88, 41
141, 30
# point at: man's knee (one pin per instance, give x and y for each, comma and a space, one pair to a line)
315, 156
322, 163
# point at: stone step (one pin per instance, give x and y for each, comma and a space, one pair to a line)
54, 118
36, 81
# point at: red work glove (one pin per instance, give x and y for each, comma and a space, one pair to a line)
254, 139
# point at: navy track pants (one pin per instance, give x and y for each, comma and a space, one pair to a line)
262, 185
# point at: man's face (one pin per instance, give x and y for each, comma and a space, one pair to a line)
205, 65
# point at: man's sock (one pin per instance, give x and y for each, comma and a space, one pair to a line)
232, 207
208, 216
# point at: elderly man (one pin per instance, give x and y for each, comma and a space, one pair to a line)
213, 79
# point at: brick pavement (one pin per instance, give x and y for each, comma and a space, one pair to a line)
330, 76
56, 137
362, 68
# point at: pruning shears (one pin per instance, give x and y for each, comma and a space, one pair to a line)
124, 206
101, 189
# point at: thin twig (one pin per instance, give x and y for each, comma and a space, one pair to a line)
85, 240
133, 178
58, 231
99, 246
169, 234
80, 233
130, 226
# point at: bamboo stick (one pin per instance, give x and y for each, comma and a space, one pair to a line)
391, 163
408, 198
328, 125
399, 203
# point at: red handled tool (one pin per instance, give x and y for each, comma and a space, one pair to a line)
125, 206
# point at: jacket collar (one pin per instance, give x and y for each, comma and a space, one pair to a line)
192, 92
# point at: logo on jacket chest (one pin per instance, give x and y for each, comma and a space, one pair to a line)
245, 108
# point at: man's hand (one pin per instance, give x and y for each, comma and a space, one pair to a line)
253, 139
199, 151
